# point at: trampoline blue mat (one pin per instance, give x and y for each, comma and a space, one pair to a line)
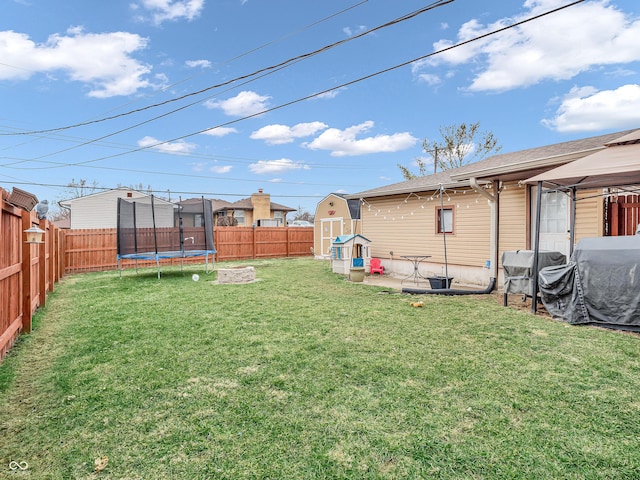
173, 254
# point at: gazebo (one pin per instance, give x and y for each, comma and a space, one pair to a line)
617, 165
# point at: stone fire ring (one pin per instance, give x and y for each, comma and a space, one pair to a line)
236, 275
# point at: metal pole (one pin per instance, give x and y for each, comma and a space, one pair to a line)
536, 250
444, 238
572, 234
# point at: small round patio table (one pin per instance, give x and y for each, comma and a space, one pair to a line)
416, 276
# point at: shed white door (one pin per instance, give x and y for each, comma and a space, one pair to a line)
331, 228
554, 221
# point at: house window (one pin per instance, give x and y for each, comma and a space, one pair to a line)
444, 220
198, 220
239, 215
279, 216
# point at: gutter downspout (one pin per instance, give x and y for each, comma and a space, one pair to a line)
493, 242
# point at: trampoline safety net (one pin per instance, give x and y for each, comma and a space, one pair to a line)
152, 229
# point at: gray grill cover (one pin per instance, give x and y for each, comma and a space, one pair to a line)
518, 268
600, 285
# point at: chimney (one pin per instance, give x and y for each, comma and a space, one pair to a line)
261, 205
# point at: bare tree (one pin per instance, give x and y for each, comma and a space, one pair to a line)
73, 189
81, 188
460, 145
302, 214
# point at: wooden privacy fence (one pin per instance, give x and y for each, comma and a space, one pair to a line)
27, 271
96, 249
623, 215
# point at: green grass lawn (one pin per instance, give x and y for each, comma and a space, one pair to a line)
304, 375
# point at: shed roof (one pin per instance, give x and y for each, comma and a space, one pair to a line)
353, 204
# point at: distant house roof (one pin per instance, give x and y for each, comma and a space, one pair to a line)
68, 202
63, 223
192, 205
508, 166
219, 204
245, 204
136, 196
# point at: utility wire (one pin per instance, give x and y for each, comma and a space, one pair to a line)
346, 84
303, 56
198, 101
226, 62
52, 185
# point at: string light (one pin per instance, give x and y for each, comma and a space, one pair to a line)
399, 210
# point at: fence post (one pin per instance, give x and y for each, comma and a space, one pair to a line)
288, 240
53, 255
26, 274
614, 219
255, 248
42, 266
62, 252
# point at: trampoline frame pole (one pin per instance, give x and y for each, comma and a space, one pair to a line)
155, 234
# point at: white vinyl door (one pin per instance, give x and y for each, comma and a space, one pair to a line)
331, 228
554, 221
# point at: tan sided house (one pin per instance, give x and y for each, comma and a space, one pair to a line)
476, 212
257, 211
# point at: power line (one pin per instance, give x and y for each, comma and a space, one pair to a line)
340, 86
52, 185
207, 177
343, 85
177, 83
278, 66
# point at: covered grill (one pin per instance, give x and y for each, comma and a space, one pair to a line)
600, 285
518, 270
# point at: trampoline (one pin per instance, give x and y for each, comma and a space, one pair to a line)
153, 229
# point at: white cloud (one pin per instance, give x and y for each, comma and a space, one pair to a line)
330, 94
221, 168
176, 148
276, 166
198, 63
430, 79
103, 61
344, 142
198, 167
281, 134
586, 109
202, 166
350, 32
219, 131
163, 10
244, 104
555, 47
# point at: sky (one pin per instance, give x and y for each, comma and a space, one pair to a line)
220, 98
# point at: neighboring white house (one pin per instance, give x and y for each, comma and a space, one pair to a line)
100, 210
